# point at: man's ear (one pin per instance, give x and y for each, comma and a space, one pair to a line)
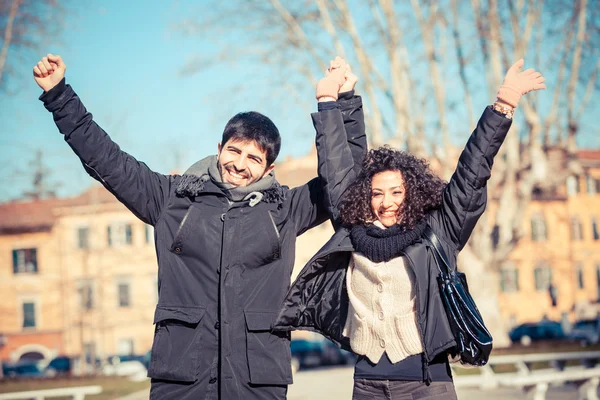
219, 148
269, 169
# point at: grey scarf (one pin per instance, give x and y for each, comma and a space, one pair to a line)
192, 182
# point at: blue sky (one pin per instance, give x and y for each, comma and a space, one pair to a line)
124, 59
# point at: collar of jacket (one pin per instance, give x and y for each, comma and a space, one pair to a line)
198, 185
339, 242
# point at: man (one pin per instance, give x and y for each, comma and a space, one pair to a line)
225, 237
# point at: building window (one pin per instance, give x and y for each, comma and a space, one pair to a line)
89, 350
579, 272
573, 185
149, 230
119, 234
539, 232
25, 261
509, 278
576, 229
29, 315
85, 290
543, 277
126, 347
124, 294
592, 184
82, 237
595, 233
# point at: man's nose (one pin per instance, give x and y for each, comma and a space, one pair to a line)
240, 163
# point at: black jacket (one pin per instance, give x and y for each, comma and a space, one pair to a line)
223, 269
318, 300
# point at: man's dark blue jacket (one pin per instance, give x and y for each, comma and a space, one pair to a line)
224, 268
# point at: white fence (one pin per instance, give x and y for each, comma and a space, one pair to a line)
586, 374
77, 393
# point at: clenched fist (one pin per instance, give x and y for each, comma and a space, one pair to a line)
49, 71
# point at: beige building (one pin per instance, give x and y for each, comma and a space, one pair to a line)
82, 276
561, 247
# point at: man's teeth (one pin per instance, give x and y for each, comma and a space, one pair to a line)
238, 176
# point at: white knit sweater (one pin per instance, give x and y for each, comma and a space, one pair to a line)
381, 313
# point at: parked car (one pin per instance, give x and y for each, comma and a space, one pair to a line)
59, 366
536, 331
586, 331
314, 353
23, 369
124, 365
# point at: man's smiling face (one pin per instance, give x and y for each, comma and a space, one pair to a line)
242, 163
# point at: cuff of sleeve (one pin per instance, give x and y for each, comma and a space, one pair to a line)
346, 95
54, 93
327, 105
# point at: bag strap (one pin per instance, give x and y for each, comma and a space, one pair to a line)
443, 262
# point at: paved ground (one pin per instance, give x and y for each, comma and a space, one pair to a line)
336, 383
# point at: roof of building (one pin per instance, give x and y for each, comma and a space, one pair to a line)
39, 215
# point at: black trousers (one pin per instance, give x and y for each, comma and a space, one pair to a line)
367, 389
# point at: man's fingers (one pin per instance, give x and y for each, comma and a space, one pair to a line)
539, 86
47, 65
43, 69
56, 59
540, 79
36, 72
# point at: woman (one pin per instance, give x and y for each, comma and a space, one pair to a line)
372, 288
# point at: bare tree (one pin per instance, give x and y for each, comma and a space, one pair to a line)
41, 185
26, 25
423, 66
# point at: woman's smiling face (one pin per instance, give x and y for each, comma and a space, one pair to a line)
387, 196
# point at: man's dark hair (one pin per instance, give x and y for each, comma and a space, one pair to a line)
251, 125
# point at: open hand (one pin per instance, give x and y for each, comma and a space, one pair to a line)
49, 71
517, 83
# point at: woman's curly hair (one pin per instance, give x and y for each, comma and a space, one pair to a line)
423, 188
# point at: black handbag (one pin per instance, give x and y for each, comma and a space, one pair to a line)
473, 340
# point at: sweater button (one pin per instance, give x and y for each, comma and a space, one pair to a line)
382, 343
380, 288
380, 314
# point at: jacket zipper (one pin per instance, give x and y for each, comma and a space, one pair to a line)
425, 358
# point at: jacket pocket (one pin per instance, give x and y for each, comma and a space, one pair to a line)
356, 331
185, 231
407, 331
176, 346
269, 356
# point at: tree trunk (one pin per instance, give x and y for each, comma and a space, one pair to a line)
8, 32
484, 287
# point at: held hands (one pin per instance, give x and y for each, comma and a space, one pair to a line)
517, 83
338, 78
49, 71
